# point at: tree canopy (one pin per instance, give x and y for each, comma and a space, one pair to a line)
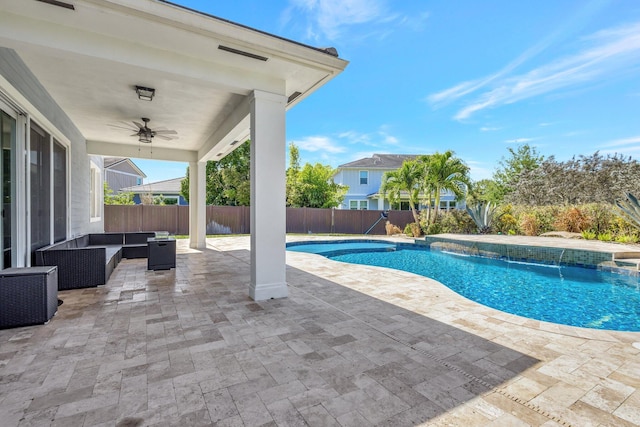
444, 172
124, 198
407, 179
484, 191
523, 159
227, 179
425, 178
311, 186
582, 179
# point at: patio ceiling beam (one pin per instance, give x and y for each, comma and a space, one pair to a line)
235, 127
141, 151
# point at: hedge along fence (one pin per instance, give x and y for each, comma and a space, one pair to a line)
237, 220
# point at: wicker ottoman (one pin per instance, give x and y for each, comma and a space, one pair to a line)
28, 296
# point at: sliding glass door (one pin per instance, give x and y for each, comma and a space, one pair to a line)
40, 182
48, 189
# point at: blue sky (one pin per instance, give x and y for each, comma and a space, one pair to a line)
472, 76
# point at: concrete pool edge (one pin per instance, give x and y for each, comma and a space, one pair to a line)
472, 307
543, 250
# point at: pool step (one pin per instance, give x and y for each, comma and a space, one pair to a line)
627, 259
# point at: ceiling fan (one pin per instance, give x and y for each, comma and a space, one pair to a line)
145, 133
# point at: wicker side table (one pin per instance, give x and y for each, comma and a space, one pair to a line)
162, 253
28, 296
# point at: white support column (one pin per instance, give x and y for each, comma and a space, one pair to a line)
380, 203
197, 205
268, 213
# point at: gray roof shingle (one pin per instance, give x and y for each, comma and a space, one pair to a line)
169, 186
380, 161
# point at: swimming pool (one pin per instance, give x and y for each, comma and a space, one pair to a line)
567, 295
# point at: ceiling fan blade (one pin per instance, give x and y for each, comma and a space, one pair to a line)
166, 138
140, 125
165, 132
135, 134
129, 127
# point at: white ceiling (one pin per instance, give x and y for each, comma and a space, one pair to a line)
90, 59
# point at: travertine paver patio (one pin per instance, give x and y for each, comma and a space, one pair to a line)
352, 346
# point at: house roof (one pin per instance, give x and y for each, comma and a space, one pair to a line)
113, 162
90, 55
168, 186
380, 161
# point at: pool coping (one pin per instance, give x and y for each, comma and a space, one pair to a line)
610, 257
607, 335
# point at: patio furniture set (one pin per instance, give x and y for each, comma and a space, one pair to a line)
29, 295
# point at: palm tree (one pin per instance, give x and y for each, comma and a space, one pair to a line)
444, 172
406, 179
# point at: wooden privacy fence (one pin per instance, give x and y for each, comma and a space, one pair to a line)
236, 220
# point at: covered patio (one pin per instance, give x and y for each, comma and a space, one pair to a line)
351, 346
145, 79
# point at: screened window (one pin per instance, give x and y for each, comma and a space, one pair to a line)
355, 205
364, 177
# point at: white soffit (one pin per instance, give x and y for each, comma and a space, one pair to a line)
89, 59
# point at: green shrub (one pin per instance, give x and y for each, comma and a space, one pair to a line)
507, 224
627, 239
434, 228
605, 237
456, 221
592, 220
599, 215
407, 230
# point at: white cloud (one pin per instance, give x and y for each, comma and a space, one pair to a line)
477, 171
319, 143
380, 138
626, 146
623, 142
608, 52
331, 19
390, 139
489, 129
520, 140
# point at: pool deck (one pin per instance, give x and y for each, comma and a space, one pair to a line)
351, 346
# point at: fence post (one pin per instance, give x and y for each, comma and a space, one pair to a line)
333, 221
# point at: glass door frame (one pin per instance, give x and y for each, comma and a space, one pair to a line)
14, 214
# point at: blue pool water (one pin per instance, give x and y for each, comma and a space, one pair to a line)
331, 249
567, 295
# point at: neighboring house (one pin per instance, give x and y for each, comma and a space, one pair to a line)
121, 172
79, 77
169, 189
364, 177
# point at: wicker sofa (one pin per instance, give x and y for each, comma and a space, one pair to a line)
88, 260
